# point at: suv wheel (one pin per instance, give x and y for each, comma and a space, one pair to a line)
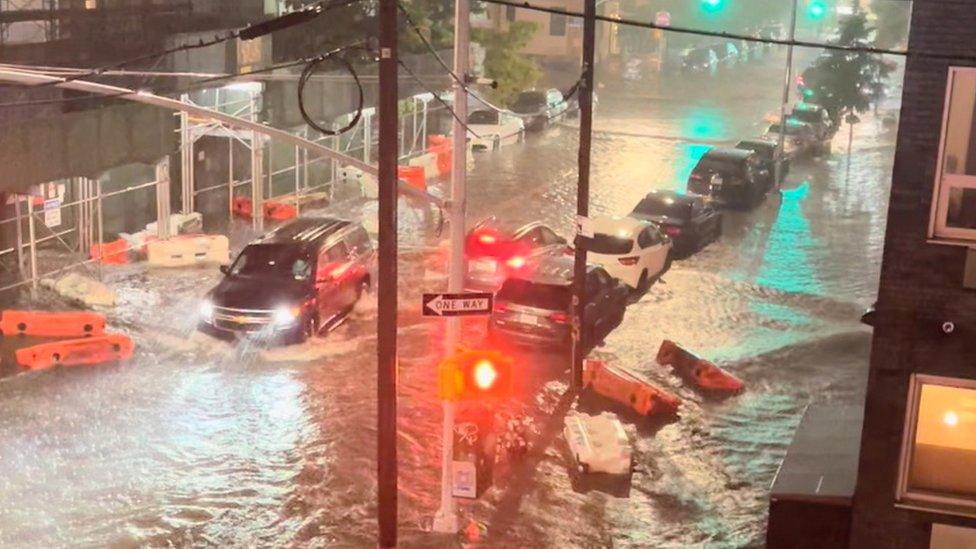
644, 283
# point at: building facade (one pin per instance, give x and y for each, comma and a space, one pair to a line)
916, 483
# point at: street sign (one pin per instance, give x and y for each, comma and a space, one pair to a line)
662, 19
584, 226
465, 304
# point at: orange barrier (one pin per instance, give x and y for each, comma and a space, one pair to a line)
37, 323
414, 175
76, 352
279, 211
241, 207
111, 253
627, 389
704, 374
440, 146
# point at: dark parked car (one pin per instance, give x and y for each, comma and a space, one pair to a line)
690, 221
731, 177
699, 59
766, 151
817, 117
291, 282
538, 107
535, 309
496, 249
801, 138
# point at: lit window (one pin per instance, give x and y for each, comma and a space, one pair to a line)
939, 448
954, 200
91, 4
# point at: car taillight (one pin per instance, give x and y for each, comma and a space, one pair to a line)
516, 262
559, 317
628, 261
500, 307
672, 231
487, 238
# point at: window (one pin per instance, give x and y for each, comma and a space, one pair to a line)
954, 198
649, 237
939, 444
550, 238
510, 13
557, 24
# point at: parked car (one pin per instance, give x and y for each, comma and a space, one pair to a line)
632, 251
490, 129
534, 307
699, 59
766, 151
817, 117
290, 283
687, 219
495, 250
539, 108
730, 177
721, 54
732, 52
801, 138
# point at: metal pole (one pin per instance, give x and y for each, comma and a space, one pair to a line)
162, 199
583, 189
386, 323
298, 174
230, 180
20, 236
778, 168
446, 518
257, 181
32, 236
100, 228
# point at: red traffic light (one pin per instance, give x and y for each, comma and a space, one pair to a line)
474, 375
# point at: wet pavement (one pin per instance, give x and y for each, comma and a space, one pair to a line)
196, 442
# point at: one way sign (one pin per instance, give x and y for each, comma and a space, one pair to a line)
466, 304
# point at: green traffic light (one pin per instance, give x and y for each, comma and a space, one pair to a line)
712, 5
816, 9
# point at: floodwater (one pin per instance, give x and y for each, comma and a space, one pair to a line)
197, 442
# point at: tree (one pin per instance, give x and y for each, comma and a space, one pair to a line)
504, 61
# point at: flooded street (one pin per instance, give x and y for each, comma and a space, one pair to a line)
197, 442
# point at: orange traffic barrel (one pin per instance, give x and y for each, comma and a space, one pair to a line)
76, 352
241, 207
702, 373
414, 176
39, 323
111, 253
626, 388
434, 141
279, 211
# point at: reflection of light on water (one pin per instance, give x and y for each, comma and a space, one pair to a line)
786, 263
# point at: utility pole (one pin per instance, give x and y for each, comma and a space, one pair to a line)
445, 520
778, 168
386, 324
583, 188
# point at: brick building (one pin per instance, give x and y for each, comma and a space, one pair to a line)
916, 484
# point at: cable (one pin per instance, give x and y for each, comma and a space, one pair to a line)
437, 97
734, 36
247, 33
307, 73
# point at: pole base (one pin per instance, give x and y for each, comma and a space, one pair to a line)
445, 522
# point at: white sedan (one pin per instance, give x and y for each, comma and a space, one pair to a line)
490, 129
634, 251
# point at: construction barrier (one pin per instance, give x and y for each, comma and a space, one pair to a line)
76, 352
440, 146
415, 176
279, 211
241, 207
427, 161
111, 253
626, 388
188, 250
39, 323
702, 373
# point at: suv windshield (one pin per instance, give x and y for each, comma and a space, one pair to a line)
531, 294
530, 101
272, 261
665, 207
483, 117
610, 244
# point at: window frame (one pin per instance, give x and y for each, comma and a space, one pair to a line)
938, 231
929, 501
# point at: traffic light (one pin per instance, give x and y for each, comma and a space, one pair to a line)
816, 9
712, 5
475, 375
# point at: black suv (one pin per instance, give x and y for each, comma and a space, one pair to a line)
687, 219
291, 282
732, 177
536, 309
766, 151
538, 108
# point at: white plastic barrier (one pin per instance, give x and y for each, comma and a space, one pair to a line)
188, 250
428, 161
367, 182
598, 444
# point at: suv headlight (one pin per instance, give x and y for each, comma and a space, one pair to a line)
284, 315
206, 310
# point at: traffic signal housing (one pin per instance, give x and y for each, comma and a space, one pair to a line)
475, 375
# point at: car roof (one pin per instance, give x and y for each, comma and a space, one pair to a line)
554, 271
618, 226
507, 227
305, 231
727, 153
759, 143
674, 196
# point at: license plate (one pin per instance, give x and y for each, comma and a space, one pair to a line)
484, 266
529, 319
